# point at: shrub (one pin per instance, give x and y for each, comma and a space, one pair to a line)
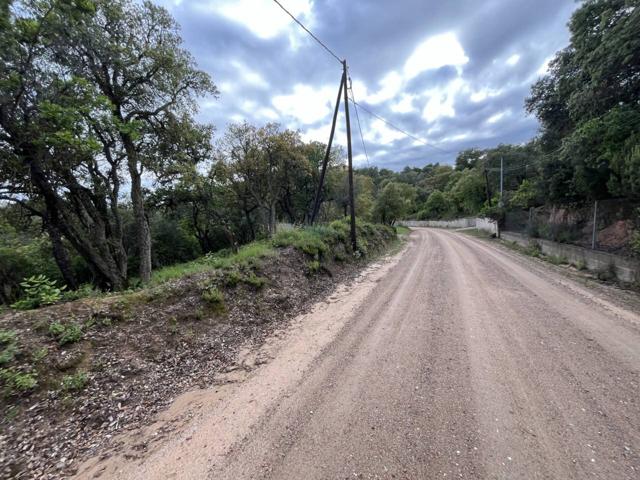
65, 333
313, 266
533, 249
255, 281
9, 345
39, 291
214, 298
17, 381
74, 382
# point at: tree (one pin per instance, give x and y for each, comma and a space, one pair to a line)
435, 207
48, 149
588, 104
133, 54
262, 162
394, 201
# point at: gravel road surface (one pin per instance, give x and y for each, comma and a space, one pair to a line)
461, 360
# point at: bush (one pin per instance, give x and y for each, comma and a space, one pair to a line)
69, 333
215, 299
16, 381
255, 281
74, 382
39, 291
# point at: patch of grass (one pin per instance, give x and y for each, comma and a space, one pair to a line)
16, 381
533, 250
65, 333
313, 266
214, 298
557, 260
39, 354
8, 346
255, 281
402, 230
232, 278
75, 382
309, 241
248, 256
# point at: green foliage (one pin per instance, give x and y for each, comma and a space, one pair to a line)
313, 266
39, 291
394, 202
213, 296
525, 196
309, 241
75, 382
255, 281
16, 381
65, 333
435, 207
8, 346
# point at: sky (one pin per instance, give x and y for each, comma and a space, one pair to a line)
455, 73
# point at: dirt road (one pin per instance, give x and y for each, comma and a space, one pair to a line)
458, 360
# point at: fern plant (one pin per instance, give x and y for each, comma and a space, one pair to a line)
39, 291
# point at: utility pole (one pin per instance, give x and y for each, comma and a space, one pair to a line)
318, 199
352, 206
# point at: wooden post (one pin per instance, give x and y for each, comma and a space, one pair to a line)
352, 205
325, 162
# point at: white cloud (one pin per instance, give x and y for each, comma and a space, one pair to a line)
263, 17
513, 59
498, 116
307, 104
248, 76
483, 94
391, 84
405, 105
440, 100
379, 132
435, 52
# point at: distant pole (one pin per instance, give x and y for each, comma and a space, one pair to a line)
325, 162
352, 205
595, 225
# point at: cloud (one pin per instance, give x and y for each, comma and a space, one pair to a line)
450, 72
260, 16
435, 52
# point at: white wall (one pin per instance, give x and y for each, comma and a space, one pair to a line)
485, 224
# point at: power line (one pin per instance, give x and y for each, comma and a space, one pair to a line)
417, 139
356, 104
355, 107
309, 32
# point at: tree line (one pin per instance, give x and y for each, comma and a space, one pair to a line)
105, 173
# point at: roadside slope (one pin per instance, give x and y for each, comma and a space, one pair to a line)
463, 360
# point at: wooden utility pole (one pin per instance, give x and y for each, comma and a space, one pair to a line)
325, 162
352, 205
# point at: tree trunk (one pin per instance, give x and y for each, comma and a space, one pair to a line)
272, 219
61, 256
143, 232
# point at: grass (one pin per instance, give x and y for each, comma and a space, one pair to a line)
248, 255
402, 230
65, 333
75, 382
